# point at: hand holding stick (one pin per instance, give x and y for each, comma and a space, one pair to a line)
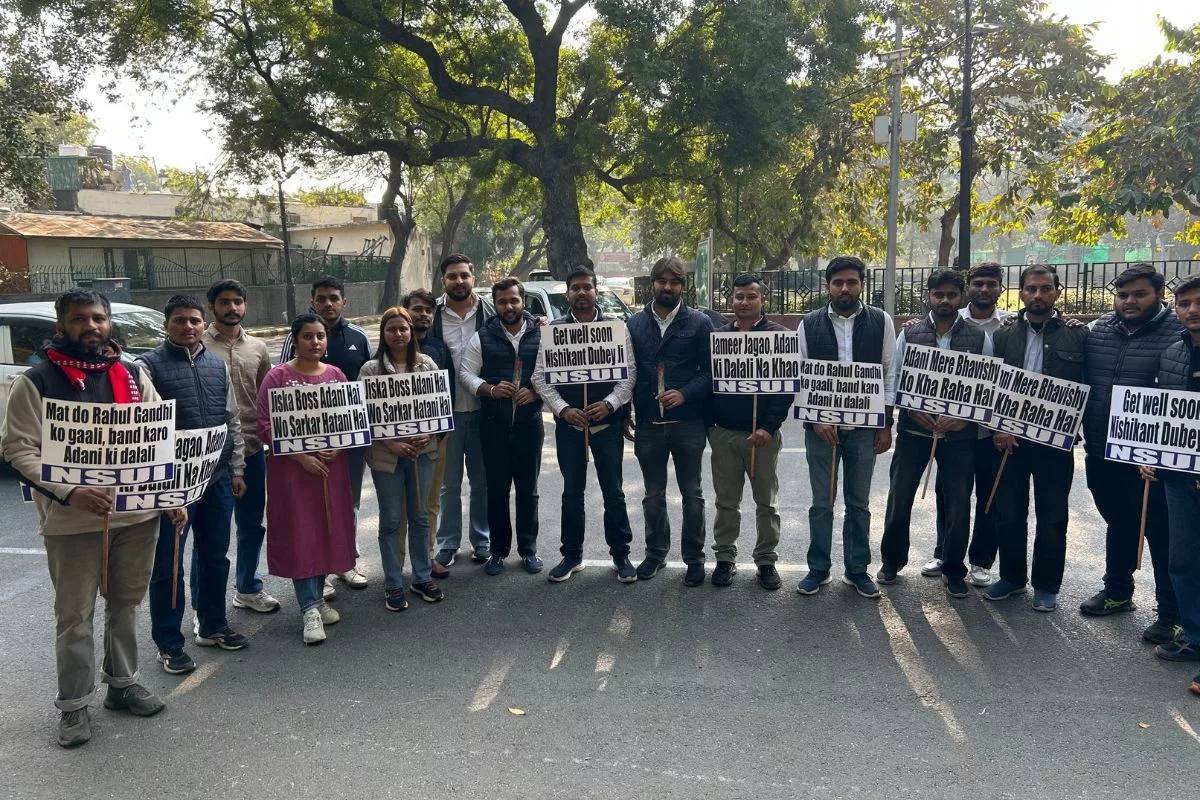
517, 383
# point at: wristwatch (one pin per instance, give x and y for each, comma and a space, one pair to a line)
611, 408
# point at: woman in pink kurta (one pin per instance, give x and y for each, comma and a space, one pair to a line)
304, 542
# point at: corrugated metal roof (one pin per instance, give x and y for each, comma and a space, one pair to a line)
54, 226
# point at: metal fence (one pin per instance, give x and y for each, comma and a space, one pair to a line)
256, 269
1087, 287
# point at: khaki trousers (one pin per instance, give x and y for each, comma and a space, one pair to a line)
730, 466
74, 561
433, 502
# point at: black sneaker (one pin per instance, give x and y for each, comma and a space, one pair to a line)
1178, 650
227, 639
694, 575
1102, 604
481, 554
74, 727
887, 575
135, 698
564, 570
625, 571
1162, 631
649, 568
768, 577
393, 600
427, 591
177, 662
446, 557
723, 574
955, 587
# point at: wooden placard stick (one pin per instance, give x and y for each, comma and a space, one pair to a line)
175, 567
1142, 524
996, 483
587, 429
104, 557
833, 472
929, 469
753, 429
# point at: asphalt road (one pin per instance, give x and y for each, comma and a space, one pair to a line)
643, 690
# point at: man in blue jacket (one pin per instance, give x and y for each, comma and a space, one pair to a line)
670, 395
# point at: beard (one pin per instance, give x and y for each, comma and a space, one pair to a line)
459, 292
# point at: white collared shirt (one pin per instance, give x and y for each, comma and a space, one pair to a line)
456, 333
665, 322
1033, 347
989, 325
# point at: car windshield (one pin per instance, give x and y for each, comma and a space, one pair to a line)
141, 331
609, 303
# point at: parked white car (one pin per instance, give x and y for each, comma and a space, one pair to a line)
26, 327
549, 299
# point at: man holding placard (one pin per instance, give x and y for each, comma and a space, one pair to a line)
498, 367
1124, 349
1179, 369
745, 436
846, 331
925, 435
185, 371
674, 382
87, 549
249, 362
1040, 344
589, 415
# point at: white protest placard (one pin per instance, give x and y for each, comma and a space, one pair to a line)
326, 416
197, 453
107, 444
1154, 428
584, 352
840, 393
949, 382
409, 404
1038, 407
755, 362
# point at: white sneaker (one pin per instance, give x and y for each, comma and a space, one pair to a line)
261, 602
979, 576
328, 615
355, 579
314, 629
328, 593
932, 568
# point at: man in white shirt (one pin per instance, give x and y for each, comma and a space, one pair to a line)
846, 330
459, 315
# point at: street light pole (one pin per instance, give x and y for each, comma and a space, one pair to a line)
889, 272
966, 144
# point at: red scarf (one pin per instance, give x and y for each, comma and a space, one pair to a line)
124, 387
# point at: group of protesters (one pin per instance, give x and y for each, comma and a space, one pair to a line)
219, 374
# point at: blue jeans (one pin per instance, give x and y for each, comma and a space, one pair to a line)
1183, 520
463, 444
397, 494
856, 451
248, 511
682, 442
308, 591
209, 517
608, 449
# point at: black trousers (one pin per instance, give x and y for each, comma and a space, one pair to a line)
512, 458
1052, 472
955, 474
1117, 491
982, 552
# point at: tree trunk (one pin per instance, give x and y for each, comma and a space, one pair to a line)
565, 243
530, 251
401, 224
948, 221
455, 215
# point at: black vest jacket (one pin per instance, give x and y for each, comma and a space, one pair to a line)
197, 384
867, 339
1062, 347
499, 360
965, 338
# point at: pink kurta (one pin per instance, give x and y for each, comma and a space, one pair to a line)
299, 543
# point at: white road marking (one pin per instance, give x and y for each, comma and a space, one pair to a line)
560, 652
22, 551
1184, 725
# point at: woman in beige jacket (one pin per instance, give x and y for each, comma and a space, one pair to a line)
402, 470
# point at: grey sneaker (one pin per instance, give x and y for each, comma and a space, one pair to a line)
979, 576
74, 727
260, 601
445, 557
481, 554
932, 568
135, 698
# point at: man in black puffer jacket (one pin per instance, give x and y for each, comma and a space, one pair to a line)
1123, 349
